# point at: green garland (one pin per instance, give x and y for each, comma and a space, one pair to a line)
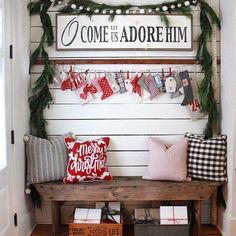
41, 98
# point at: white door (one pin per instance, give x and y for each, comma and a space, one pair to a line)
7, 227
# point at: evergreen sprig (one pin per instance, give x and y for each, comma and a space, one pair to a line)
208, 17
41, 97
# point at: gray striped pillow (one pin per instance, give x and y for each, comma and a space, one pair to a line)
46, 159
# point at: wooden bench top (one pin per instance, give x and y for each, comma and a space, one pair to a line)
127, 189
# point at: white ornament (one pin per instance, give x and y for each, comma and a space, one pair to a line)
157, 9
141, 11
170, 85
194, 1
104, 11
52, 1
149, 10
111, 11
96, 11
127, 11
81, 8
179, 5
172, 6
26, 138
88, 9
186, 3
60, 2
73, 6
134, 12
27, 191
118, 11
66, 4
164, 8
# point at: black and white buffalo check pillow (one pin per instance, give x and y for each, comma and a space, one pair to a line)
207, 157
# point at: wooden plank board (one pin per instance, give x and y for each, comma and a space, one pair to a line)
116, 111
133, 68
121, 127
118, 159
159, 54
134, 143
127, 189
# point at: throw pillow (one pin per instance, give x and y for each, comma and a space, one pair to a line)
87, 160
46, 159
167, 163
207, 157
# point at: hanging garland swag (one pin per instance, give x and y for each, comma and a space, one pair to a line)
41, 97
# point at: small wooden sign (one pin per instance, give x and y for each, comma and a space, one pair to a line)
125, 32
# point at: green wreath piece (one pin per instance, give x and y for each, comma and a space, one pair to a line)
41, 97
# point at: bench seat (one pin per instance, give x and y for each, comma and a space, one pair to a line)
129, 189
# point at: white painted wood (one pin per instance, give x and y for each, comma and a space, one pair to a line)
71, 97
121, 127
138, 68
7, 167
134, 143
116, 159
79, 32
118, 111
160, 54
128, 171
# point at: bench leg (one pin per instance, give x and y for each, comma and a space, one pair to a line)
56, 217
198, 223
214, 208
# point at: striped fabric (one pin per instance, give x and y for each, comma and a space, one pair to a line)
46, 159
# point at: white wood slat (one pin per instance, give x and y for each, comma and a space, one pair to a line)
134, 143
159, 54
70, 97
121, 127
126, 67
117, 159
128, 171
116, 111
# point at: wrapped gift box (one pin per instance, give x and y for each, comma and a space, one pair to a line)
174, 215
147, 222
87, 216
111, 210
84, 224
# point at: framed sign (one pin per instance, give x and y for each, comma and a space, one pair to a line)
125, 32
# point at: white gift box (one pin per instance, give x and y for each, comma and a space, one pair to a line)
173, 215
87, 216
112, 206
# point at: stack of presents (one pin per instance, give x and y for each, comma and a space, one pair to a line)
106, 219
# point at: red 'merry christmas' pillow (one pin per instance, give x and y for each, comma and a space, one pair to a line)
87, 160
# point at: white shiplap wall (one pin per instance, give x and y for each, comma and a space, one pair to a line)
128, 123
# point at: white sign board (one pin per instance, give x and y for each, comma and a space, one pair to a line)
125, 32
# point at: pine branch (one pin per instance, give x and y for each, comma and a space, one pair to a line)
34, 7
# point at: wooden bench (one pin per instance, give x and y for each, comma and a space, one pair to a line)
129, 189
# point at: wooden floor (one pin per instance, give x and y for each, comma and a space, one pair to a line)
45, 230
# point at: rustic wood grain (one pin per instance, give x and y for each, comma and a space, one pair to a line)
127, 189
121, 61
